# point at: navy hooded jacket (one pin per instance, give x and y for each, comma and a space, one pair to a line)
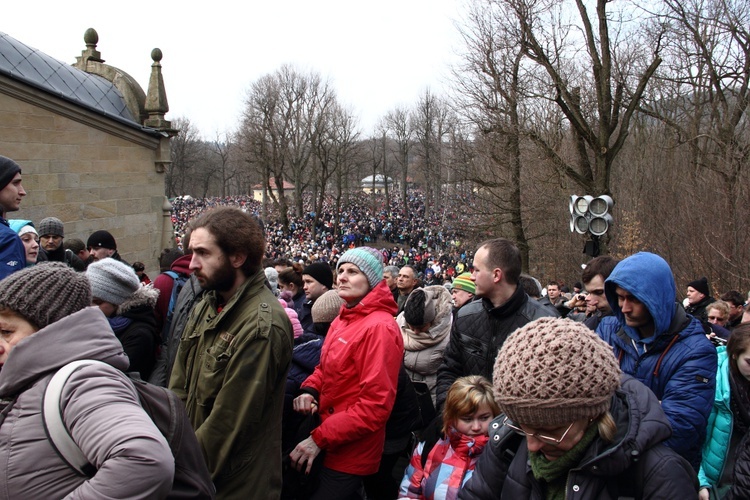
678, 363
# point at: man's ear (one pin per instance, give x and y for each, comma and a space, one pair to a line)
497, 275
237, 260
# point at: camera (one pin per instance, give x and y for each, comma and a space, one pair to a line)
717, 341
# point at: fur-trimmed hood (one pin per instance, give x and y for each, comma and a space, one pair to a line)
144, 296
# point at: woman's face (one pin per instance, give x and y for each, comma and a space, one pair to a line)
475, 424
536, 442
353, 284
290, 287
31, 244
13, 329
743, 363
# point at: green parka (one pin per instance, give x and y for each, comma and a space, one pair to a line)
230, 371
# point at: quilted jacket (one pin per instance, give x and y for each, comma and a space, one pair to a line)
719, 430
478, 333
677, 362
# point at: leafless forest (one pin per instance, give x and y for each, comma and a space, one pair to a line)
645, 102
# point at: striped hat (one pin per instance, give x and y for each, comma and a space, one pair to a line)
368, 260
463, 282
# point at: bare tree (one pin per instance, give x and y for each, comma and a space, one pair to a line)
701, 94
396, 125
616, 65
490, 86
187, 154
430, 122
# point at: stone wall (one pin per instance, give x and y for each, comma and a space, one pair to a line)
90, 171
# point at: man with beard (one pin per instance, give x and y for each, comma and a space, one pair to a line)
233, 358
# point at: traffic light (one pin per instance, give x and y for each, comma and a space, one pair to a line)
589, 214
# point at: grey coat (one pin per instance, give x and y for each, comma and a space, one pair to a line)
100, 408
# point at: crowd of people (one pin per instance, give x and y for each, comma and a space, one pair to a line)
374, 356
401, 229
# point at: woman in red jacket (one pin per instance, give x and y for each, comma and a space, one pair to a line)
354, 386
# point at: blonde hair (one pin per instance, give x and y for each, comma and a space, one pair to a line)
465, 397
607, 427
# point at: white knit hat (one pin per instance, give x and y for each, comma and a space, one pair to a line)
112, 281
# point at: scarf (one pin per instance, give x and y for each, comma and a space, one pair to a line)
553, 474
418, 341
119, 323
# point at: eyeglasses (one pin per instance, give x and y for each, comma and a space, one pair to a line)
716, 318
536, 435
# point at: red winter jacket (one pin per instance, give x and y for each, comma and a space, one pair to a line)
356, 383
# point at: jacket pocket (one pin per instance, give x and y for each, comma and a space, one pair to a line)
473, 347
211, 375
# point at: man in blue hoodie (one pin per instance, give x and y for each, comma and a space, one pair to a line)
658, 343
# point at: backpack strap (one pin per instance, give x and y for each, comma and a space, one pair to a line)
54, 426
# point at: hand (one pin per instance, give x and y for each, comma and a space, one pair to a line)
703, 494
305, 404
304, 453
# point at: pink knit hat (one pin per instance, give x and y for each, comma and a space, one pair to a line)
296, 325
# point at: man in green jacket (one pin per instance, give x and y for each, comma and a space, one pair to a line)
233, 358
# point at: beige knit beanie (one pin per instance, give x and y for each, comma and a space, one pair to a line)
326, 307
554, 371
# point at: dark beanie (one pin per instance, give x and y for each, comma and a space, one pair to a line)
321, 272
45, 293
8, 170
701, 285
101, 239
51, 226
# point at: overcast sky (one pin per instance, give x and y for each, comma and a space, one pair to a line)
378, 54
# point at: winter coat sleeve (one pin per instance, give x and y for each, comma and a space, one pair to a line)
688, 398
411, 484
378, 383
12, 252
667, 475
106, 420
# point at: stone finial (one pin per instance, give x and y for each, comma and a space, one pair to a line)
91, 38
156, 98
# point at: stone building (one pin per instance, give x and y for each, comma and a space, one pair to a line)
92, 144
